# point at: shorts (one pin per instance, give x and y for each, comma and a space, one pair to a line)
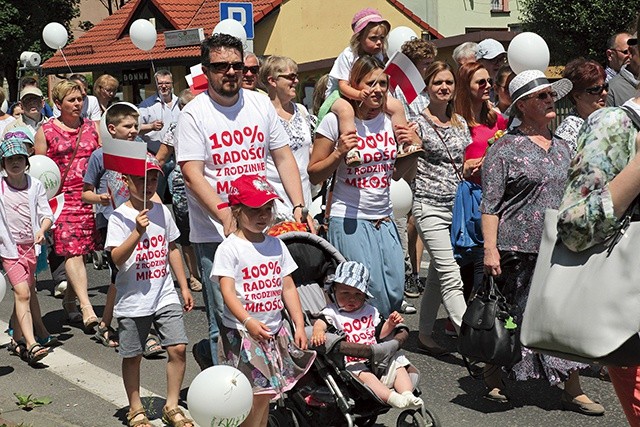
133, 331
23, 269
182, 221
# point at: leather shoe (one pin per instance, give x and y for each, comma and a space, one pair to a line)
434, 351
570, 404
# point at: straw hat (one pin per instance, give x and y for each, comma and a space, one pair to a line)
531, 81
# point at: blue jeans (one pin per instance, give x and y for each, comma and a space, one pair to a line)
213, 302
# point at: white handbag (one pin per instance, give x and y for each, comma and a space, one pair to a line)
585, 306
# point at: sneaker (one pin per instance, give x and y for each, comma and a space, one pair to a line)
422, 283
407, 308
411, 289
60, 289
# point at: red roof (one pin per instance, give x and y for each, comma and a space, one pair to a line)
108, 42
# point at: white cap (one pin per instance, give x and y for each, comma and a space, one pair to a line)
489, 49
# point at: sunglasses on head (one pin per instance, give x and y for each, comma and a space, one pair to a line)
253, 68
223, 67
542, 96
484, 82
597, 90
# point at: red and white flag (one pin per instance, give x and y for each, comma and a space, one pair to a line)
404, 74
57, 204
197, 81
126, 157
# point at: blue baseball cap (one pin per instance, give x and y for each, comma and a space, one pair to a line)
13, 146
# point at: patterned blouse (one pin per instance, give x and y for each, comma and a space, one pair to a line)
605, 146
520, 180
569, 128
436, 180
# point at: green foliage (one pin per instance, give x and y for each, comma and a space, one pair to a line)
28, 402
579, 27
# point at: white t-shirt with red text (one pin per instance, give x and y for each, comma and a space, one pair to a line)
359, 326
363, 192
258, 270
231, 141
143, 284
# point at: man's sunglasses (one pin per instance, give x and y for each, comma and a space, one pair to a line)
597, 90
223, 67
254, 69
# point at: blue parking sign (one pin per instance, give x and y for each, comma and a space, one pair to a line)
241, 12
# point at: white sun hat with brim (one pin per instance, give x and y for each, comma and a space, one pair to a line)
531, 81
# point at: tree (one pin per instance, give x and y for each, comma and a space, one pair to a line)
579, 27
21, 24
113, 5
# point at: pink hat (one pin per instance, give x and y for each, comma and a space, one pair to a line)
251, 190
366, 16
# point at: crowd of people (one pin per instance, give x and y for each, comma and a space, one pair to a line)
244, 154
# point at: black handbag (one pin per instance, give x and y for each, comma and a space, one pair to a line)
488, 333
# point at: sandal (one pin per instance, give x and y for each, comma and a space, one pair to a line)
107, 336
194, 284
17, 348
152, 347
91, 321
408, 150
35, 353
71, 311
133, 414
169, 417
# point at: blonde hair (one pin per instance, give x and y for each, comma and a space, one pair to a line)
319, 93
64, 88
357, 38
274, 65
237, 209
106, 81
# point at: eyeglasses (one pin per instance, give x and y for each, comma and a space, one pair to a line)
113, 91
223, 67
542, 96
624, 52
597, 90
291, 77
484, 82
163, 84
253, 68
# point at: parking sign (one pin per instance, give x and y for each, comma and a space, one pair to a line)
241, 12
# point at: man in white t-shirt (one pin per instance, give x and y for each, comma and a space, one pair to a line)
224, 133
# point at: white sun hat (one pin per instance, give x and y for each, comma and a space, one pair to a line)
530, 81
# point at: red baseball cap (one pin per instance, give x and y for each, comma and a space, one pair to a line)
251, 190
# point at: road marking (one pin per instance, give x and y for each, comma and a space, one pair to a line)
92, 378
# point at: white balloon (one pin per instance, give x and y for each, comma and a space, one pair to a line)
401, 198
143, 34
528, 51
55, 35
46, 170
220, 395
397, 37
3, 286
316, 207
233, 28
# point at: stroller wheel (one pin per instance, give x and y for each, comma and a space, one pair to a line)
366, 422
282, 417
417, 418
98, 261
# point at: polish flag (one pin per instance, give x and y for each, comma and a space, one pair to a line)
57, 204
196, 80
403, 73
126, 157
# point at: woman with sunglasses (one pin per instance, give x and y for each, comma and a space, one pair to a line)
523, 174
279, 75
589, 94
361, 223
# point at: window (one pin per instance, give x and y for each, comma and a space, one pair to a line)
499, 5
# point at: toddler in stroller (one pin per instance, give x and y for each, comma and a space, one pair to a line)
330, 394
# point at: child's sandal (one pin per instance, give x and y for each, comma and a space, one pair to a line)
169, 415
35, 353
133, 414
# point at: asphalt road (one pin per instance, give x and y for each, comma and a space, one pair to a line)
82, 379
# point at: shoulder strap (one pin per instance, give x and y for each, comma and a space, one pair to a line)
73, 156
635, 118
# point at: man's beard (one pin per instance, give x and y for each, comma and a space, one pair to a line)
227, 93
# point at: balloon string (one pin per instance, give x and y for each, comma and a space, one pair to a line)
65, 61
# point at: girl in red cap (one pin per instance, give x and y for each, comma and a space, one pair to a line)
254, 272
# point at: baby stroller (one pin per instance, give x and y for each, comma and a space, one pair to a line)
329, 395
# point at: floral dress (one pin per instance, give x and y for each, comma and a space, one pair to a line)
75, 231
520, 181
569, 128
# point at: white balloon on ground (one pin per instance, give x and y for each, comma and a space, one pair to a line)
143, 34
397, 37
220, 395
47, 171
55, 35
3, 286
233, 28
528, 51
401, 198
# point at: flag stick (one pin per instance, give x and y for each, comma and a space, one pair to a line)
144, 200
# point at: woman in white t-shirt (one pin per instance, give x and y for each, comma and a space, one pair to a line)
279, 75
360, 223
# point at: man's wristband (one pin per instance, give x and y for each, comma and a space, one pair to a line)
301, 206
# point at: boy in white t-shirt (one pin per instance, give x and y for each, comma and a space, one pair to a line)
141, 236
